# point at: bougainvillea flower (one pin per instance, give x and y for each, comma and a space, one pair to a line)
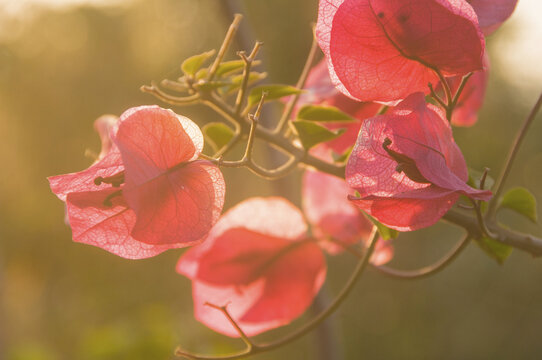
407, 168
492, 13
326, 206
383, 50
258, 261
149, 193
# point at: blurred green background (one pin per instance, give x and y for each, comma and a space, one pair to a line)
64, 64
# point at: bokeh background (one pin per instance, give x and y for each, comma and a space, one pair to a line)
65, 62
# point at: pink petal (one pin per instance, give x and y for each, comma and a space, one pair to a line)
152, 140
326, 206
238, 257
492, 13
81, 181
178, 206
420, 132
176, 199
254, 262
426, 137
326, 13
332, 215
107, 227
277, 297
411, 210
260, 215
383, 50
103, 126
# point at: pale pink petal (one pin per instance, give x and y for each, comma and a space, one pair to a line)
326, 206
107, 227
103, 126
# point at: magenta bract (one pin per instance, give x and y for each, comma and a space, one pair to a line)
406, 167
383, 50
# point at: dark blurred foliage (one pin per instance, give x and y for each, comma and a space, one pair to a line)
62, 300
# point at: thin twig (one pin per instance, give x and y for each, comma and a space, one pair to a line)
173, 100
499, 183
481, 220
225, 45
427, 270
460, 89
289, 108
246, 75
448, 91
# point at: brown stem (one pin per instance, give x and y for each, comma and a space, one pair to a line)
283, 122
499, 183
427, 270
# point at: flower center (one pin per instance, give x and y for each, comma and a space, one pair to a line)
405, 164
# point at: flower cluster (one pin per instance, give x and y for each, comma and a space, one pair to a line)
405, 166
151, 189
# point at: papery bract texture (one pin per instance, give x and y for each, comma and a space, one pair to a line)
98, 209
337, 222
492, 13
406, 167
320, 90
176, 197
257, 261
383, 50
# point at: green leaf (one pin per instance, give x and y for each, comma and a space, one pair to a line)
522, 201
238, 79
273, 92
312, 134
385, 232
217, 135
322, 113
191, 65
495, 249
231, 67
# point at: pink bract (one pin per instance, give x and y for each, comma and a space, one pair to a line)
257, 261
326, 206
406, 167
321, 91
123, 201
492, 13
383, 50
